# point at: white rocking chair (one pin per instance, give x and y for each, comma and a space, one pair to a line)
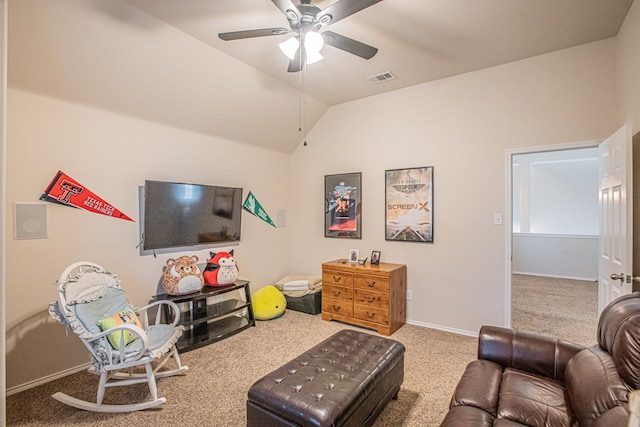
90, 296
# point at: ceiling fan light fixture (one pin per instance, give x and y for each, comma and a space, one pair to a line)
290, 47
306, 20
313, 42
313, 57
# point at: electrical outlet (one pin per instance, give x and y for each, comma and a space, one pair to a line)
408, 295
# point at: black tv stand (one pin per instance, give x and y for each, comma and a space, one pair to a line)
208, 316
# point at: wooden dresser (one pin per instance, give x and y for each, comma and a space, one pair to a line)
373, 296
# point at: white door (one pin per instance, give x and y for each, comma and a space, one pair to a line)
615, 201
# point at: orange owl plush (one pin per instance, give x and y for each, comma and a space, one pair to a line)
221, 269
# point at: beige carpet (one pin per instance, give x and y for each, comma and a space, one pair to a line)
213, 392
562, 308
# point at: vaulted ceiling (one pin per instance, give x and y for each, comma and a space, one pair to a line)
162, 60
418, 40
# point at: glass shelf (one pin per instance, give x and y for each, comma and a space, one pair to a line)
208, 318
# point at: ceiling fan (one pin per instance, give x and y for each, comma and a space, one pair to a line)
305, 21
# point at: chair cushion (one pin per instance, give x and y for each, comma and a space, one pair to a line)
90, 313
533, 400
160, 337
489, 394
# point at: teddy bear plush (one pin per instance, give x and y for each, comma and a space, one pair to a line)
221, 269
182, 276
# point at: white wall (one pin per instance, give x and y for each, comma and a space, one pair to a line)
555, 213
556, 255
556, 192
112, 155
462, 126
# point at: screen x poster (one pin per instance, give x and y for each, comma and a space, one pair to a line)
409, 204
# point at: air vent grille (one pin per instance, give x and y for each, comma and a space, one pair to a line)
381, 78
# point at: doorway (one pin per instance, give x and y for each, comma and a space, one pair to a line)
553, 237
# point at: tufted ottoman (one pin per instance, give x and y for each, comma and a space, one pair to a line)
346, 380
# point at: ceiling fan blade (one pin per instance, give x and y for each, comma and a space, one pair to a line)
296, 63
349, 45
341, 9
289, 9
246, 34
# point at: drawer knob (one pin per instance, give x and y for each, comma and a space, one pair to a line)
336, 307
371, 284
371, 299
336, 279
370, 315
336, 293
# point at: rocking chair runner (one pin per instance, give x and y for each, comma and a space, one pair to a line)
89, 296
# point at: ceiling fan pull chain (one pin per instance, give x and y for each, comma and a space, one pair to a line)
304, 113
300, 102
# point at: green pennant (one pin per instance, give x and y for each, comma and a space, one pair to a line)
251, 204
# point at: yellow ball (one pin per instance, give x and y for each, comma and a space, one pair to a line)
268, 303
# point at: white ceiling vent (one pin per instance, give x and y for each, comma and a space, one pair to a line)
381, 78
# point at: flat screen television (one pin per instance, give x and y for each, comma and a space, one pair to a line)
179, 215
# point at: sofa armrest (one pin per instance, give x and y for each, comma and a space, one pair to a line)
537, 354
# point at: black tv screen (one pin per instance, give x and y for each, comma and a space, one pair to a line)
184, 215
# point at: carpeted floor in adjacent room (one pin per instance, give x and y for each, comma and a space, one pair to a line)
562, 308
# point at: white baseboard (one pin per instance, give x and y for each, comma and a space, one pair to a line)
442, 328
48, 378
556, 276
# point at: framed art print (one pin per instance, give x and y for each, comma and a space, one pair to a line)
343, 211
409, 204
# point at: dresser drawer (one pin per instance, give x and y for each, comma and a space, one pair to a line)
373, 283
371, 314
330, 277
337, 292
337, 306
371, 299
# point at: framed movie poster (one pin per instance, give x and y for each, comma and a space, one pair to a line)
342, 206
409, 204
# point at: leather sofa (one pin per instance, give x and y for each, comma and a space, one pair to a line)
524, 379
